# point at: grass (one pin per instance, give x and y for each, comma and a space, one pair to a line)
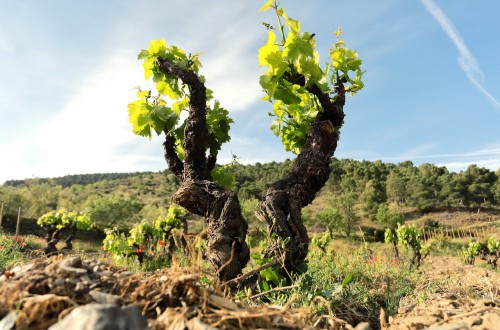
347, 282
15, 251
352, 281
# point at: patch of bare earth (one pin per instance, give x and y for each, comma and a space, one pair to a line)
41, 294
451, 296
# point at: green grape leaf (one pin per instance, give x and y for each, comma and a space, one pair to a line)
285, 94
296, 46
180, 105
143, 94
269, 48
310, 69
143, 54
269, 85
157, 47
279, 109
139, 118
292, 24
164, 88
149, 65
223, 176
276, 127
267, 5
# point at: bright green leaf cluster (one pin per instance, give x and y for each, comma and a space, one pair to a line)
293, 67
343, 62
64, 219
471, 251
150, 114
389, 236
322, 241
270, 276
493, 244
409, 236
150, 235
224, 175
116, 243
218, 124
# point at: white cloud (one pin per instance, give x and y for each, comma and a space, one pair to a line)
491, 164
466, 60
81, 138
233, 74
488, 157
250, 150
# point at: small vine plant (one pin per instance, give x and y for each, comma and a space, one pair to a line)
57, 222
146, 239
409, 237
489, 251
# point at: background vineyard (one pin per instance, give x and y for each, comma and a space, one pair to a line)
456, 205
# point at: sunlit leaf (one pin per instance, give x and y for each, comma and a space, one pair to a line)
267, 5
157, 47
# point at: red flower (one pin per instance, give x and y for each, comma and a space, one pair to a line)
143, 247
160, 242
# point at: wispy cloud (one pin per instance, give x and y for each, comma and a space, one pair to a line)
488, 157
466, 60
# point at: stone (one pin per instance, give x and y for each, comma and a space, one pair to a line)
105, 298
9, 321
363, 326
102, 317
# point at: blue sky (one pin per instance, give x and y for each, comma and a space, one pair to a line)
68, 68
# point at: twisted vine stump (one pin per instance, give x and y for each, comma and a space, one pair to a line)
283, 201
198, 193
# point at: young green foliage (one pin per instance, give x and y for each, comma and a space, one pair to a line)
62, 219
144, 236
293, 68
470, 252
153, 113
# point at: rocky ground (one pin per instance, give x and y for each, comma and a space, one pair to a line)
453, 296
68, 293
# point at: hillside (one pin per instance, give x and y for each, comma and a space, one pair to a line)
358, 202
413, 191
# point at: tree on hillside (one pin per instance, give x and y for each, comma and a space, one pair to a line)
41, 197
113, 212
397, 182
450, 189
11, 199
307, 103
350, 219
477, 185
331, 218
496, 187
372, 197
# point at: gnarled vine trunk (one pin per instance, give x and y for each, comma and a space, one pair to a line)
226, 227
281, 207
283, 201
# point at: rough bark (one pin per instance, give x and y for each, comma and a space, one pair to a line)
175, 165
283, 201
226, 228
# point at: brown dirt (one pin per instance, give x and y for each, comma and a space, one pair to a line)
451, 296
45, 291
